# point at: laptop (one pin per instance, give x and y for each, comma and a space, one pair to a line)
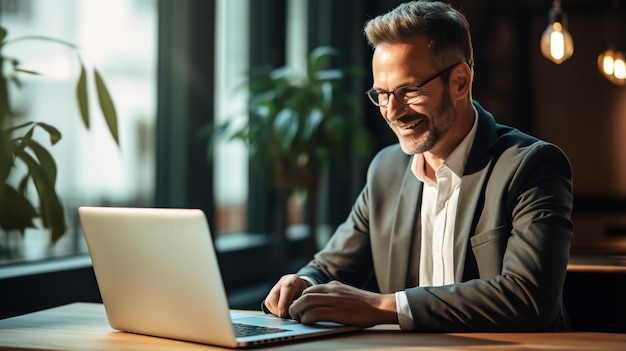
158, 275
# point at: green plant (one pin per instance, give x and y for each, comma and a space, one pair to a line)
17, 145
298, 122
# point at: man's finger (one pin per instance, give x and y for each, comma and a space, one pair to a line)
288, 291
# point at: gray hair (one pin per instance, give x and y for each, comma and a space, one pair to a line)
446, 29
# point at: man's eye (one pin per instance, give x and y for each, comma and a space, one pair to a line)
409, 92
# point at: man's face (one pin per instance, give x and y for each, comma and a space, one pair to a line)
420, 127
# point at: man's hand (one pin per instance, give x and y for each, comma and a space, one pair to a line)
288, 288
340, 303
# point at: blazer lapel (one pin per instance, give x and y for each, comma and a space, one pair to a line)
402, 234
470, 195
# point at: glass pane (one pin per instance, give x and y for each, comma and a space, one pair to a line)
231, 162
118, 38
230, 157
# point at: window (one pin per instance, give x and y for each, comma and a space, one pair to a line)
119, 39
234, 203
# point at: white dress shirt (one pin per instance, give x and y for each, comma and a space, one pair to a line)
438, 213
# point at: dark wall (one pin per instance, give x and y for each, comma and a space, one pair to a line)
571, 104
595, 301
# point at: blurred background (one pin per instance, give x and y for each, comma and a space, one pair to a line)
174, 68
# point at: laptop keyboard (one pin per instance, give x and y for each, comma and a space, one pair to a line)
252, 330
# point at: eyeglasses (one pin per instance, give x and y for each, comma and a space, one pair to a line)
407, 95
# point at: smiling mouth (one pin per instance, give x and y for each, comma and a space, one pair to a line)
412, 124
409, 124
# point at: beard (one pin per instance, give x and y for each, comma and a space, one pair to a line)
439, 123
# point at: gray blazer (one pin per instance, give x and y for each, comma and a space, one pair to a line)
512, 236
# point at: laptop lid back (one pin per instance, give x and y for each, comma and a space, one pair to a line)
158, 273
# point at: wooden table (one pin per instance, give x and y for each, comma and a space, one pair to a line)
83, 326
597, 264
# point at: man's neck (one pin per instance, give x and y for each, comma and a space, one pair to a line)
435, 157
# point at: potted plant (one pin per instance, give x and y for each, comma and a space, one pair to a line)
297, 124
17, 146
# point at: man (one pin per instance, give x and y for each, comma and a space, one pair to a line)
463, 226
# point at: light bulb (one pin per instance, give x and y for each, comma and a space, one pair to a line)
619, 69
556, 42
613, 66
606, 62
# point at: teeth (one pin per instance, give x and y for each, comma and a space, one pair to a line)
411, 125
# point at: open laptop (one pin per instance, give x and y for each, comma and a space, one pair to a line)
158, 275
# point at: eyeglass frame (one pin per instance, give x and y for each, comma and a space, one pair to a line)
416, 88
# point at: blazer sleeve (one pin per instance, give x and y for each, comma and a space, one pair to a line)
520, 247
349, 256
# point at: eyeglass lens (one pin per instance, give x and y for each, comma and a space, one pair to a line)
405, 95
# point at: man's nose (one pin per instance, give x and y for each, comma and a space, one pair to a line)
395, 109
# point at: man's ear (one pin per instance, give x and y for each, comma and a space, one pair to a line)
460, 81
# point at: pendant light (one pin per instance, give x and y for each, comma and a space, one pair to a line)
611, 62
612, 65
556, 42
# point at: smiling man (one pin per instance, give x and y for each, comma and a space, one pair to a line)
462, 226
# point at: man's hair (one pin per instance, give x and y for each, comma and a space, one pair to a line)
446, 29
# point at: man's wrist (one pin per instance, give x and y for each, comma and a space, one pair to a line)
308, 279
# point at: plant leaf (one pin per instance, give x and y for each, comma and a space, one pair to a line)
214, 133
319, 58
312, 124
5, 106
3, 33
327, 94
23, 125
52, 213
6, 159
21, 142
329, 74
46, 161
107, 107
16, 211
55, 134
27, 71
286, 125
21, 187
6, 156
81, 95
